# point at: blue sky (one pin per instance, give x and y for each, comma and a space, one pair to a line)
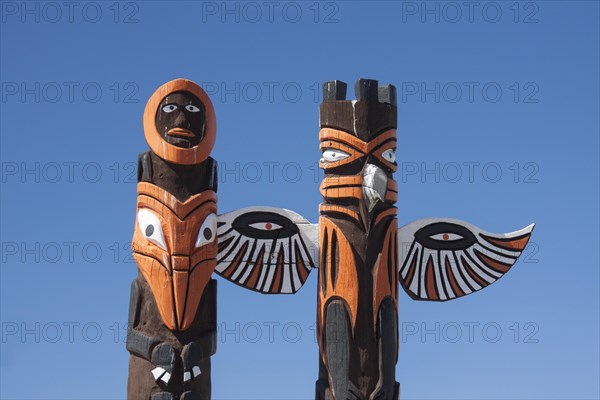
498, 125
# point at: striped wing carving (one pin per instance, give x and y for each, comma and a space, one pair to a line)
269, 250
442, 259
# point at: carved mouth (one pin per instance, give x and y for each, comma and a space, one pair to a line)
180, 132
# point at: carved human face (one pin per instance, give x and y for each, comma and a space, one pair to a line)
180, 124
175, 247
181, 119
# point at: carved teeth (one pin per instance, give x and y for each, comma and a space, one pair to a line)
157, 373
166, 377
196, 371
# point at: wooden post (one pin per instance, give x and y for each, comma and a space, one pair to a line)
360, 260
172, 311
357, 320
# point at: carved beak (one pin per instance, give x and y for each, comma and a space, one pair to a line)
181, 276
374, 186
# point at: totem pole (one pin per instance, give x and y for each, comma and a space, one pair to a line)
361, 253
364, 255
172, 311
357, 305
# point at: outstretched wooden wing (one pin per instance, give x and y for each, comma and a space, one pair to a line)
269, 250
442, 259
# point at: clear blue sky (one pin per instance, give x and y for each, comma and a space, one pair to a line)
498, 125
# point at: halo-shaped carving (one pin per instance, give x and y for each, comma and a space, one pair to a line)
167, 151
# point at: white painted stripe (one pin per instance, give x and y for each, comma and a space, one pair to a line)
306, 258
474, 284
422, 272
508, 253
480, 273
285, 243
286, 286
263, 273
494, 256
439, 282
221, 267
482, 265
247, 273
295, 265
269, 279
409, 260
446, 280
234, 255
459, 280
414, 285
226, 250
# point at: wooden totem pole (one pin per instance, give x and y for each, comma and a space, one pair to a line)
361, 261
172, 311
357, 306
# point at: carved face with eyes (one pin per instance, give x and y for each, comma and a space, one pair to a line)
357, 172
175, 247
333, 155
181, 119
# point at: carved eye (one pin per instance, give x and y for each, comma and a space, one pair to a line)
192, 108
169, 108
389, 155
151, 228
208, 231
265, 226
446, 236
332, 155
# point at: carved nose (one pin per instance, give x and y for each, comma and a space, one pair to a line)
180, 263
374, 185
181, 276
181, 120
